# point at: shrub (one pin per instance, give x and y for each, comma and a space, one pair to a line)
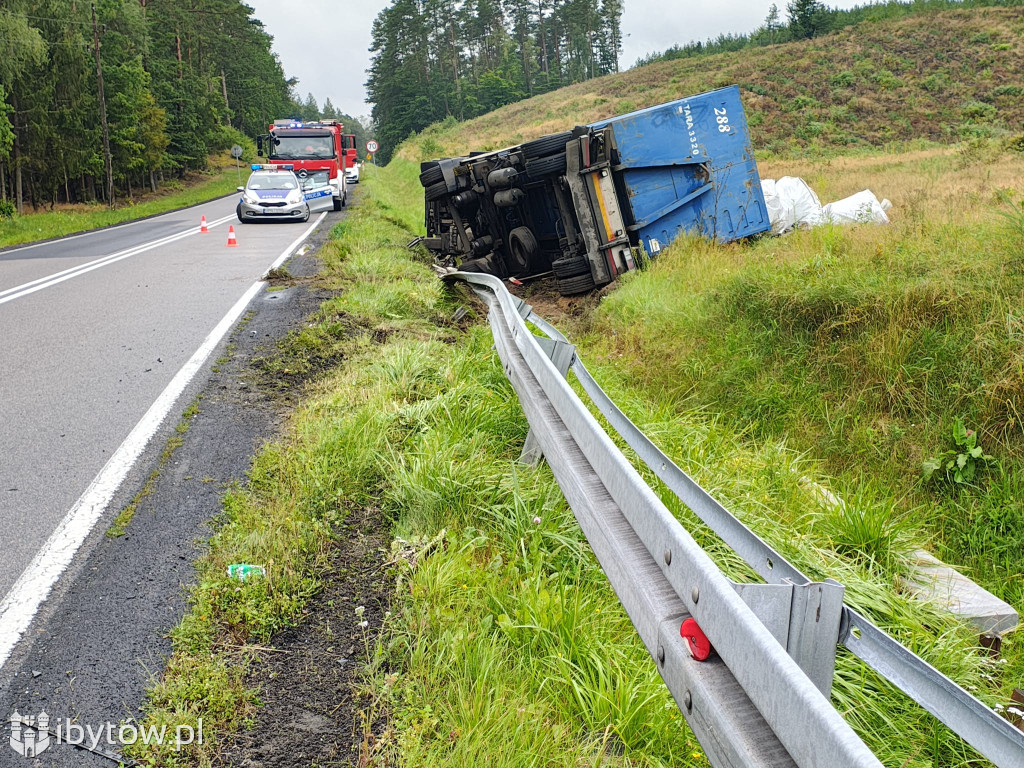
7, 209
844, 79
978, 112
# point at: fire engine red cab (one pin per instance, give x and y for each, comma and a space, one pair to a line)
318, 149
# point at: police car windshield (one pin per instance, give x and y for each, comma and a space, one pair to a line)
272, 181
302, 147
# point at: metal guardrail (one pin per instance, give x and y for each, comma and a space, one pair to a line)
762, 700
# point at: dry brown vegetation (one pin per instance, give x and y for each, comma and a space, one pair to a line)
940, 77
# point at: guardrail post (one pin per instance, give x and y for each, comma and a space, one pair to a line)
805, 619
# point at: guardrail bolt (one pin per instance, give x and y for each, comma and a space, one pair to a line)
687, 701
695, 595
661, 655
668, 557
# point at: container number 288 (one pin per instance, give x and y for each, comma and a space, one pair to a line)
722, 119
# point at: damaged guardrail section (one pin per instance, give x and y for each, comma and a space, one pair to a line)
762, 698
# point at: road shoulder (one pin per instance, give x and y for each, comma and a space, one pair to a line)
102, 637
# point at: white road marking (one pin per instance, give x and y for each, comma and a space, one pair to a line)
288, 251
22, 603
40, 283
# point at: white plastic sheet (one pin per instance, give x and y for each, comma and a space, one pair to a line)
860, 208
792, 204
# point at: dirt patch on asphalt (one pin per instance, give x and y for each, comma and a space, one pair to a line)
314, 711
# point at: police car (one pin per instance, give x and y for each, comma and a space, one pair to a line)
275, 192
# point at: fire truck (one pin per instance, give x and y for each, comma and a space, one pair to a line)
318, 149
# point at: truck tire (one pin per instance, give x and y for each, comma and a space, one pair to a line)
546, 145
543, 167
432, 175
337, 204
571, 267
436, 191
574, 285
522, 247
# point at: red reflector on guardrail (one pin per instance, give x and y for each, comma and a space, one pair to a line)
700, 646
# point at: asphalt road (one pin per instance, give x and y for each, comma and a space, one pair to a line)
94, 328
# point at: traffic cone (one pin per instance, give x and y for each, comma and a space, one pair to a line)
202, 225
231, 237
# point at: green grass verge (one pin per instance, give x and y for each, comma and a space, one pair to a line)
32, 227
861, 349
506, 645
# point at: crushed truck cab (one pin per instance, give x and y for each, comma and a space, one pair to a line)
592, 203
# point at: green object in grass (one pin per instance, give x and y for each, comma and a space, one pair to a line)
960, 465
243, 571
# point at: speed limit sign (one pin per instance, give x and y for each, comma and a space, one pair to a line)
371, 146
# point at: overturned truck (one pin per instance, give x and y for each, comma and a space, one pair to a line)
594, 202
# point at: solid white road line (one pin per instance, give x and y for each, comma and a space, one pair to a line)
20, 605
288, 251
58, 277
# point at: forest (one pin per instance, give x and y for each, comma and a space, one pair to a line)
99, 101
432, 59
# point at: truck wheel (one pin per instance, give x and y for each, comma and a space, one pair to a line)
337, 204
546, 145
436, 191
522, 247
432, 175
542, 167
344, 200
574, 285
571, 267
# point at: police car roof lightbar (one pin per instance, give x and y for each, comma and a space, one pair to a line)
258, 167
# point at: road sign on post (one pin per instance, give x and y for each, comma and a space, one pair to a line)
236, 152
372, 147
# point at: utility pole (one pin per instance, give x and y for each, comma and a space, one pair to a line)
103, 112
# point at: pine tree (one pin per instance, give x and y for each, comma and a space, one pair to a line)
771, 22
807, 18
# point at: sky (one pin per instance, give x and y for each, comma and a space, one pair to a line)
325, 43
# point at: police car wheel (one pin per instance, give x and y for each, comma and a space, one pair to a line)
238, 213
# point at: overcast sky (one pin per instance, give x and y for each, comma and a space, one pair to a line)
325, 43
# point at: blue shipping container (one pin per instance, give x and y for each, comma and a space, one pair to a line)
688, 166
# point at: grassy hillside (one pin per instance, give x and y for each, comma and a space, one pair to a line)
938, 77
